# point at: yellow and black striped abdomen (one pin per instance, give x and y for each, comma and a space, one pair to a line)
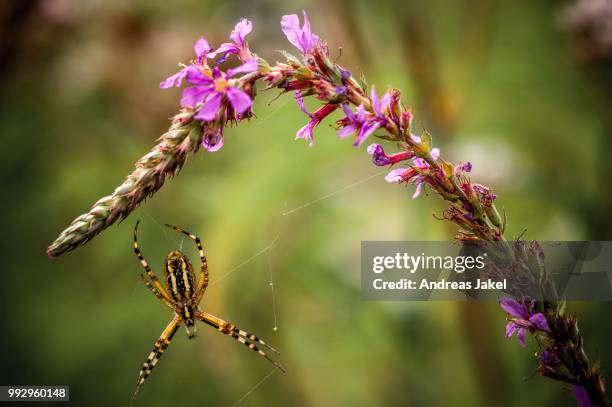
180, 277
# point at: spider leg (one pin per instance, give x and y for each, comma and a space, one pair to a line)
155, 292
203, 278
160, 346
238, 334
145, 265
219, 322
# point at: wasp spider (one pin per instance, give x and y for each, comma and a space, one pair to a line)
182, 293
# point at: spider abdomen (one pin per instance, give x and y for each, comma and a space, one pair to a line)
179, 277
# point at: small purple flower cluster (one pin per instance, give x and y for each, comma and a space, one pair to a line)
364, 124
218, 97
523, 318
417, 174
336, 87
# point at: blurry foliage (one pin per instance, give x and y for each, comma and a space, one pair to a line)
495, 81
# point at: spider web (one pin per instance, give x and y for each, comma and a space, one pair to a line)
267, 250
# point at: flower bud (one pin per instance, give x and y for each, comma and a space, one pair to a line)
493, 215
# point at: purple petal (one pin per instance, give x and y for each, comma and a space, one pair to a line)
435, 153
300, 102
306, 132
248, 67
306, 31
302, 38
395, 175
345, 74
385, 101
202, 48
239, 99
529, 306
211, 107
174, 80
308, 38
241, 30
348, 112
375, 101
512, 307
216, 73
421, 163
195, 76
224, 49
379, 158
510, 329
521, 336
366, 130
539, 321
415, 138
581, 396
213, 143
361, 113
290, 25
194, 95
375, 149
417, 190
347, 130
379, 104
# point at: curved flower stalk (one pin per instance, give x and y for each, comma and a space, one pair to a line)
216, 98
165, 159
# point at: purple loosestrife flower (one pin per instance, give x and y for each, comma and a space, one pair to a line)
238, 45
202, 48
302, 38
377, 152
215, 90
374, 121
321, 113
523, 318
305, 132
413, 174
364, 123
400, 174
359, 123
380, 158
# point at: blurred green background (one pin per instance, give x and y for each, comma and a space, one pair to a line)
509, 85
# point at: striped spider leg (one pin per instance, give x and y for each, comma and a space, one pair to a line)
183, 293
